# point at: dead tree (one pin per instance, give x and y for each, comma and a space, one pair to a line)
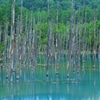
70, 40
56, 46
48, 40
84, 44
94, 46
11, 56
0, 43
5, 47
99, 50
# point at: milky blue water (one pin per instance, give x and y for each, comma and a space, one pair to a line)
36, 86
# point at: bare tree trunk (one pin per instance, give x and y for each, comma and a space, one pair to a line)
12, 39
0, 43
70, 39
94, 46
79, 49
5, 47
30, 41
56, 46
20, 41
21, 22
48, 41
0, 34
99, 50
84, 45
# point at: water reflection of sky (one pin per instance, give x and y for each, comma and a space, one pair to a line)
50, 97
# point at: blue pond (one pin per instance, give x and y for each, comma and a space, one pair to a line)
31, 85
85, 88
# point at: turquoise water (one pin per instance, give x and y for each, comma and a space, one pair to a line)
34, 85
86, 88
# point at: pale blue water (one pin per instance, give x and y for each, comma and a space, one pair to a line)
35, 86
86, 88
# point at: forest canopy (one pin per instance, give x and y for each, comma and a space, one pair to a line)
83, 12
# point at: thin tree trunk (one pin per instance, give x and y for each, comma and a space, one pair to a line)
12, 39
84, 45
5, 46
70, 39
94, 46
99, 50
0, 43
48, 40
56, 47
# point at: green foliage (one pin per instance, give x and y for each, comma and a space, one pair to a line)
39, 8
1, 47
